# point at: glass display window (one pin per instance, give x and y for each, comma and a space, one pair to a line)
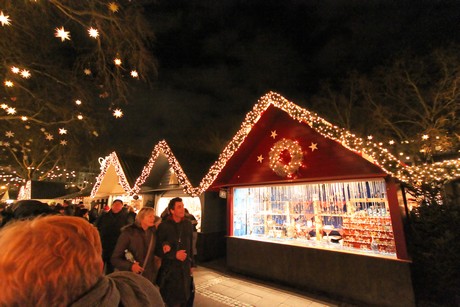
347, 215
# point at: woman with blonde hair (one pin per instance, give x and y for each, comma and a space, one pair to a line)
57, 261
135, 246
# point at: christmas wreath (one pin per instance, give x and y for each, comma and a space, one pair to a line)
285, 157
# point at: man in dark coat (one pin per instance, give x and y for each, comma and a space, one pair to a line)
109, 226
174, 246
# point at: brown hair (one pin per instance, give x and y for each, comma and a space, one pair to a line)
48, 261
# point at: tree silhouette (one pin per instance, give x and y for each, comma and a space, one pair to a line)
66, 67
410, 105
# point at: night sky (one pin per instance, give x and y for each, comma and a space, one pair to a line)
216, 58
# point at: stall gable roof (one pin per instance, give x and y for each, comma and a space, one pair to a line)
117, 171
163, 149
367, 149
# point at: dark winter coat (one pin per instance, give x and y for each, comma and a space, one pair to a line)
121, 289
109, 225
174, 277
136, 240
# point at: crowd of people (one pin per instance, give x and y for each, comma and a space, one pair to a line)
70, 255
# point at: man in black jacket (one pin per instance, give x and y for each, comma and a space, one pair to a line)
109, 226
174, 246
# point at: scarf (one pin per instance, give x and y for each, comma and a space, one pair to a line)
121, 288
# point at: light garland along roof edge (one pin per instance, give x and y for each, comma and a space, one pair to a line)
369, 150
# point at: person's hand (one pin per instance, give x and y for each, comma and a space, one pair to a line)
181, 255
136, 268
166, 248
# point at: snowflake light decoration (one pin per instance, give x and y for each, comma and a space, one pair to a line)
25, 74
94, 33
4, 20
118, 113
62, 34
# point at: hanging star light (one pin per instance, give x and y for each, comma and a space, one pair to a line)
117, 61
93, 32
4, 106
4, 19
9, 134
11, 111
62, 34
134, 74
63, 142
78, 102
25, 74
87, 71
113, 7
80, 117
6, 144
118, 113
49, 137
15, 70
62, 131
260, 159
425, 137
274, 134
24, 118
9, 83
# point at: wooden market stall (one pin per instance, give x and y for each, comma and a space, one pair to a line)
164, 178
116, 179
312, 206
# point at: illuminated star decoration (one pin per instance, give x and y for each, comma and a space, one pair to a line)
425, 137
4, 106
24, 118
117, 61
49, 137
274, 134
9, 83
63, 142
62, 34
4, 19
9, 134
25, 73
78, 102
313, 146
87, 71
113, 7
93, 32
15, 70
11, 111
134, 74
260, 159
62, 131
118, 113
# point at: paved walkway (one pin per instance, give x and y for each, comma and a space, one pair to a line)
216, 288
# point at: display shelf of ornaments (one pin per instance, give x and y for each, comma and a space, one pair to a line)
369, 233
